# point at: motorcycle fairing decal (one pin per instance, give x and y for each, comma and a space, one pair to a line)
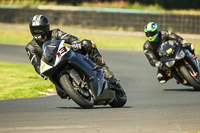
44, 67
62, 50
169, 50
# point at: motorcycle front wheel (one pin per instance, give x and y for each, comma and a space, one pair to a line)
195, 83
84, 101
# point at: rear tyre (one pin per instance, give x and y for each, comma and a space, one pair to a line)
75, 95
120, 98
192, 80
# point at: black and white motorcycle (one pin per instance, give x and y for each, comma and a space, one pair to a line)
79, 76
180, 64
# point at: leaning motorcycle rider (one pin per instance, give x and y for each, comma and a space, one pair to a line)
155, 38
40, 30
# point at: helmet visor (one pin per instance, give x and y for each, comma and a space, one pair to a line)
39, 30
151, 33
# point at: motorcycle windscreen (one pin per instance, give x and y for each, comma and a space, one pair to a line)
50, 49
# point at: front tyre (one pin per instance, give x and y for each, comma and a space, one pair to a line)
75, 95
120, 97
192, 80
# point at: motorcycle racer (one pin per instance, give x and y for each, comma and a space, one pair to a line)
155, 38
40, 30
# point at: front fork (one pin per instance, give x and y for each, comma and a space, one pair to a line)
192, 66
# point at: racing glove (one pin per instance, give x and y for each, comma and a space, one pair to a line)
76, 45
192, 49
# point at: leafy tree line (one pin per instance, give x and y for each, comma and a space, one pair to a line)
168, 4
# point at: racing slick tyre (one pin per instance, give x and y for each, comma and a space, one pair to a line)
77, 94
191, 79
120, 98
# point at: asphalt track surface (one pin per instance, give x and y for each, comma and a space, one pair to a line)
151, 107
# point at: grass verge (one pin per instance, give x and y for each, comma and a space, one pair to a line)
110, 38
21, 81
20, 34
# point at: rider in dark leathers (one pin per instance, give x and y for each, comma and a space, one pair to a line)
40, 29
155, 38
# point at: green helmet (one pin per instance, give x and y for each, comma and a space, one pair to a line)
151, 30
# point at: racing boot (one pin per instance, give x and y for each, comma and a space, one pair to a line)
112, 81
108, 74
89, 47
105, 69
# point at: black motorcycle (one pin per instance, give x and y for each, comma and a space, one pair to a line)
180, 64
79, 77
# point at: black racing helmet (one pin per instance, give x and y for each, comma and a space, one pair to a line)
39, 26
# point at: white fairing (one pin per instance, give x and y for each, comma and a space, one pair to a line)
62, 50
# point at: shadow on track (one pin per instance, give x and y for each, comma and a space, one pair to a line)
187, 89
101, 107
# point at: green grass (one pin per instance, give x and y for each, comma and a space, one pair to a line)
21, 81
15, 34
20, 34
14, 37
115, 41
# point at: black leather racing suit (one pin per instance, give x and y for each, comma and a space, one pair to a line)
34, 51
151, 48
34, 48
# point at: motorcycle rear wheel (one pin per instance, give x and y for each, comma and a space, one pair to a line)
193, 82
120, 98
74, 94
